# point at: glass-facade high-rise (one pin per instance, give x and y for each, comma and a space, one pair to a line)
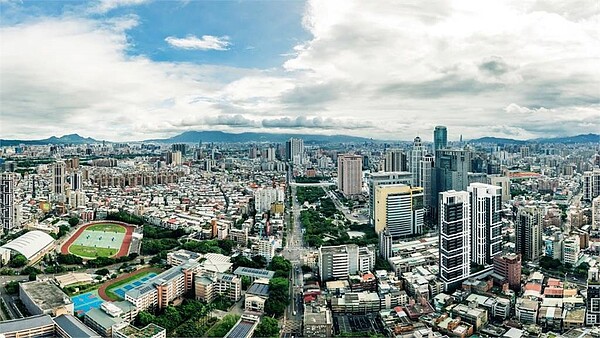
440, 138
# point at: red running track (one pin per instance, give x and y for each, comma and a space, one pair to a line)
123, 250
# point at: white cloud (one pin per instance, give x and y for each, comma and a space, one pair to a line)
380, 69
207, 42
104, 6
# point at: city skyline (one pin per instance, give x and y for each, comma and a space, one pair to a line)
136, 70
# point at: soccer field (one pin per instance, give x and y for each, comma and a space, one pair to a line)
99, 240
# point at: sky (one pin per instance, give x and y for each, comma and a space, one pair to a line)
125, 70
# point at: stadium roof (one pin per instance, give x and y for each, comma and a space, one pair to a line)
30, 243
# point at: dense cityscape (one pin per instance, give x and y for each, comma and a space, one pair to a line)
301, 239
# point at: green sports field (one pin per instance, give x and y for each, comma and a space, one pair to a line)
91, 252
99, 240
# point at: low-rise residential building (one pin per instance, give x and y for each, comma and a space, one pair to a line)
318, 322
526, 310
256, 296
356, 302
473, 315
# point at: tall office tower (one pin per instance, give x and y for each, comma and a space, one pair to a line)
8, 215
596, 213
509, 267
384, 178
76, 181
294, 150
530, 220
486, 224
181, 147
416, 156
455, 238
440, 138
427, 181
57, 187
399, 209
174, 158
591, 184
452, 167
394, 160
592, 313
350, 174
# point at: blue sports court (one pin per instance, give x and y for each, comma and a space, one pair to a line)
86, 301
120, 291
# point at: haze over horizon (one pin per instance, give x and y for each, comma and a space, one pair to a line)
125, 70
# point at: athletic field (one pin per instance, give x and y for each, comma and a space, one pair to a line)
98, 240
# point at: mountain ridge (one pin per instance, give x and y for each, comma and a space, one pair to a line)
225, 137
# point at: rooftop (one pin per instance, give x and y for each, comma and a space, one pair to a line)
149, 330
45, 295
74, 327
256, 273
258, 289
27, 323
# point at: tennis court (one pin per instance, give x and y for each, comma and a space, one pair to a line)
86, 301
121, 289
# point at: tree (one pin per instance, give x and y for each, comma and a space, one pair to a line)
261, 261
12, 287
268, 327
245, 282
278, 263
73, 221
221, 328
32, 277
279, 296
69, 259
18, 261
102, 272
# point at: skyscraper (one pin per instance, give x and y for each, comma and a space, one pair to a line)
591, 184
399, 209
416, 156
486, 224
8, 217
529, 232
76, 181
596, 213
440, 138
452, 167
455, 238
294, 150
592, 314
427, 181
384, 178
395, 160
57, 187
350, 174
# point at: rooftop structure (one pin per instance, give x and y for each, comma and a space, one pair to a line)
244, 328
70, 326
32, 244
45, 298
34, 326
253, 273
149, 331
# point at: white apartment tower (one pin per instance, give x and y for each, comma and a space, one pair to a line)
416, 156
530, 220
8, 214
294, 150
591, 184
384, 178
486, 224
455, 238
426, 180
350, 174
596, 213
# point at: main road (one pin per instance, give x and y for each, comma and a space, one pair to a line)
294, 251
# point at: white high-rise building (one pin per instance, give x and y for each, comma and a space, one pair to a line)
399, 209
57, 187
486, 224
264, 198
294, 150
591, 184
8, 212
350, 174
530, 221
339, 262
592, 311
570, 250
384, 178
416, 156
76, 181
455, 238
596, 213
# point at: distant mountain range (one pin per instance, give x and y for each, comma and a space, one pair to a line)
223, 137
583, 138
66, 139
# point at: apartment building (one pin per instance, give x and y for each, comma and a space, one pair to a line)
339, 262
